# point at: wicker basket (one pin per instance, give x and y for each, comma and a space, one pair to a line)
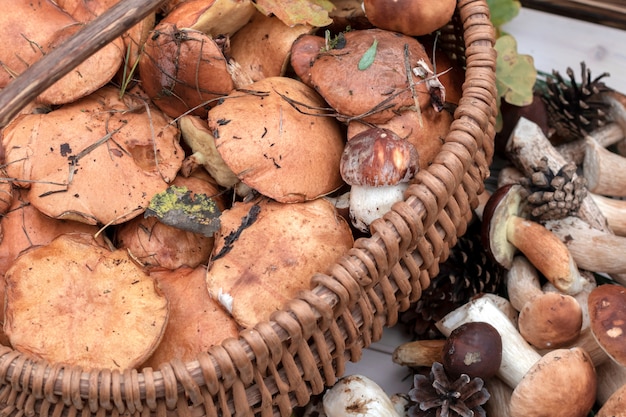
279, 364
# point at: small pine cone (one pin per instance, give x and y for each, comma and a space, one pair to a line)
467, 272
554, 195
575, 109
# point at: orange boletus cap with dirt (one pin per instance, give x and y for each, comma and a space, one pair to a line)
98, 160
275, 139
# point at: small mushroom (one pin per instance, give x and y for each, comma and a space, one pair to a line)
378, 166
212, 17
419, 353
505, 232
357, 396
547, 320
474, 349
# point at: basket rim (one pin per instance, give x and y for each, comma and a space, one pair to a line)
471, 133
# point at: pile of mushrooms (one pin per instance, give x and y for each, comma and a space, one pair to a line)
555, 223
205, 153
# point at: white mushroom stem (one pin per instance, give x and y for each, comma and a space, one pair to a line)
369, 203
615, 212
606, 136
604, 170
527, 146
522, 282
518, 356
611, 377
592, 249
499, 398
357, 395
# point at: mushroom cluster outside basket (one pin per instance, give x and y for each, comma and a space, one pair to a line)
279, 364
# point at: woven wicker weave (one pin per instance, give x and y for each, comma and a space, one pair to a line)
279, 364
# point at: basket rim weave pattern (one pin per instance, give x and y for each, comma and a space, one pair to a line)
303, 348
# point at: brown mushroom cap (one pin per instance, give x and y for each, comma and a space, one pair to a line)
112, 142
211, 17
382, 88
266, 252
551, 320
607, 316
196, 321
262, 47
411, 17
427, 139
275, 149
473, 348
75, 302
378, 157
615, 405
26, 227
183, 69
561, 384
31, 29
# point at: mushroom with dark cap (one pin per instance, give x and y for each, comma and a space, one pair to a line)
506, 231
378, 164
474, 349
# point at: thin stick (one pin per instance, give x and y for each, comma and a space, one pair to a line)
58, 62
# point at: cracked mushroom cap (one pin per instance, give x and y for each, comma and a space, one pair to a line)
76, 302
373, 92
561, 384
31, 29
115, 143
607, 316
275, 148
266, 252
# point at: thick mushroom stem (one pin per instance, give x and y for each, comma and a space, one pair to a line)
505, 232
592, 249
604, 170
368, 203
518, 356
615, 212
606, 136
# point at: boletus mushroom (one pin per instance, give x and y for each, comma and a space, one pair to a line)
369, 75
263, 254
378, 165
124, 145
275, 139
506, 231
76, 302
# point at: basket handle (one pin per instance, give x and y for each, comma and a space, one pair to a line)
58, 62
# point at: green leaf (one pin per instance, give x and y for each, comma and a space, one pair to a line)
178, 207
368, 57
503, 11
515, 75
298, 12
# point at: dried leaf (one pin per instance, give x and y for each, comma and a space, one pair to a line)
298, 12
368, 57
179, 207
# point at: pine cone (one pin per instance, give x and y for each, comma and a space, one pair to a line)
467, 271
554, 195
575, 109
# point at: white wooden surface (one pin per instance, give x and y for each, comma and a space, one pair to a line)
555, 43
